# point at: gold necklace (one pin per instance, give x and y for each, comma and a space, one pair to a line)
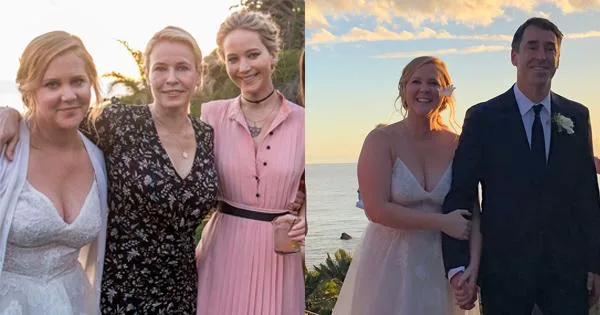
184, 154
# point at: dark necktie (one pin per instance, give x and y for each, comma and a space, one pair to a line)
538, 147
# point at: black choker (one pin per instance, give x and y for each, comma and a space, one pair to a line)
261, 100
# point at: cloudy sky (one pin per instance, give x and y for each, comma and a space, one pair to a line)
356, 50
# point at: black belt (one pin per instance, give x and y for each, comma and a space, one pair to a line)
249, 214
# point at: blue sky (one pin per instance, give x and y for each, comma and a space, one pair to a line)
354, 60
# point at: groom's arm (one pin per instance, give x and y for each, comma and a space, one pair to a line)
587, 200
466, 172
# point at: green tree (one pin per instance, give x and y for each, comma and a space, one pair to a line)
137, 88
288, 14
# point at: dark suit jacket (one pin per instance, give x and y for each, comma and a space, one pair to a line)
528, 221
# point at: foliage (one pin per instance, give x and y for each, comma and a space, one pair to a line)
138, 91
324, 282
288, 14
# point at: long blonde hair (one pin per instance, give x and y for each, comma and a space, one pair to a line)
38, 55
435, 118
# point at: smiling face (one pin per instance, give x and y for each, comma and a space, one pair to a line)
421, 91
537, 57
249, 63
172, 74
63, 97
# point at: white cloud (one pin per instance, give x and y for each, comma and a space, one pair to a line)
449, 51
467, 12
589, 34
381, 33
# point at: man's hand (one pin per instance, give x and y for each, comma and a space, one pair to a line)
464, 293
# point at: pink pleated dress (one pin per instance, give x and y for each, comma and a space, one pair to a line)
239, 272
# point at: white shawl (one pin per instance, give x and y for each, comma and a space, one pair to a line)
12, 180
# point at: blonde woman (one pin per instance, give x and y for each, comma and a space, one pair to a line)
53, 198
259, 154
404, 172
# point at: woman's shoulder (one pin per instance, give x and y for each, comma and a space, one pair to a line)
381, 137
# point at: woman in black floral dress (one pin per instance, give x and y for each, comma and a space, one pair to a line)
162, 182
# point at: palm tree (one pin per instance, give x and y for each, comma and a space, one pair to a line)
335, 268
137, 88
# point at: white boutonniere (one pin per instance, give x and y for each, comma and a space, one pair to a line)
447, 91
564, 123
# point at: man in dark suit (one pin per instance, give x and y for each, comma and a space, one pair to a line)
531, 151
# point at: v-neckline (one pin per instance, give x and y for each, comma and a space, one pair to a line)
166, 153
412, 175
55, 212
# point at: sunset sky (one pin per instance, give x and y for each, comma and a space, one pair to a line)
356, 51
100, 24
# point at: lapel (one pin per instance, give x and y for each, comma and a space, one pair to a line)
514, 135
557, 139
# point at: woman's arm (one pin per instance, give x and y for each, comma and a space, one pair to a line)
9, 131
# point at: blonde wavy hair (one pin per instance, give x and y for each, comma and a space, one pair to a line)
254, 21
448, 102
38, 55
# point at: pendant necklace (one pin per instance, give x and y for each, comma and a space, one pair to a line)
257, 124
184, 154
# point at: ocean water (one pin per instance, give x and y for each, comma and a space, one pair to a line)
331, 210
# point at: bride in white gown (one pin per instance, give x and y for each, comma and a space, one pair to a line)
53, 196
404, 173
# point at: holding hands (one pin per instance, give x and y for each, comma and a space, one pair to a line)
465, 289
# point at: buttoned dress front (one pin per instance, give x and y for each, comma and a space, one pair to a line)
239, 272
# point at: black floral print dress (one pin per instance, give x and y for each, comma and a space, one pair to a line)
149, 265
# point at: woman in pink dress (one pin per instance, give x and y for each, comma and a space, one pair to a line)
259, 155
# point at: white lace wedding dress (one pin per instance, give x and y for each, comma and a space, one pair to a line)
41, 273
401, 272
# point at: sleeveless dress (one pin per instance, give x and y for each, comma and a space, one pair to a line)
401, 272
41, 273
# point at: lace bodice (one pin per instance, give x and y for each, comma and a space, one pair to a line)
40, 243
